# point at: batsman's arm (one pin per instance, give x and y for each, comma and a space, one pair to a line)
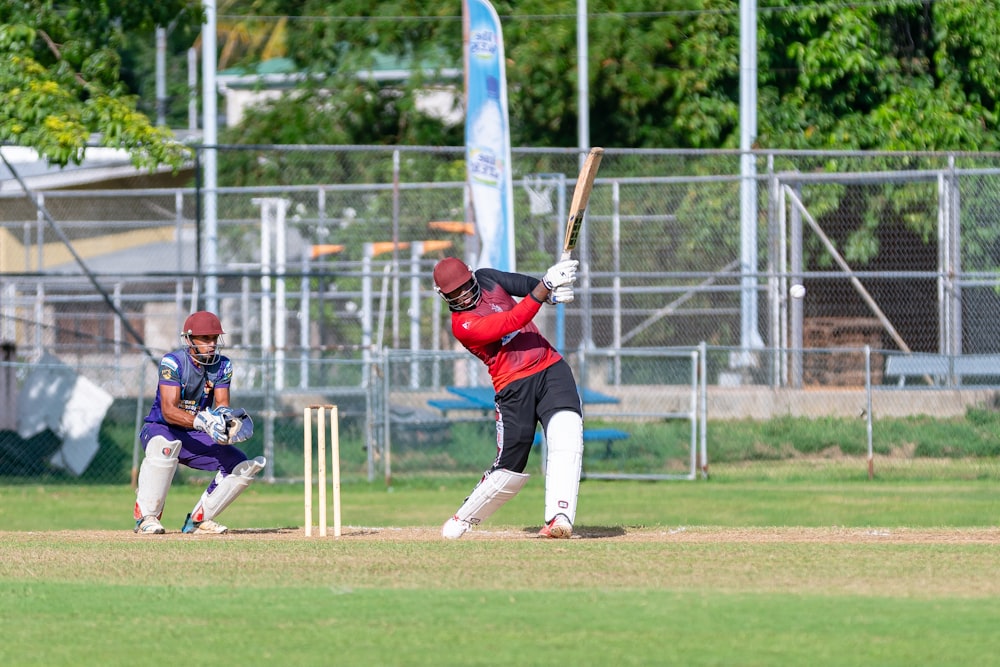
472, 329
515, 284
521, 285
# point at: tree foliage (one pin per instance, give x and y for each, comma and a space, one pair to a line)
60, 78
899, 75
337, 103
893, 75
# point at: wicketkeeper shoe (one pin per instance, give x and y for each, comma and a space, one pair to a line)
454, 528
149, 525
559, 528
206, 527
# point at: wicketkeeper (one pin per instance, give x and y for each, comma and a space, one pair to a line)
533, 384
192, 423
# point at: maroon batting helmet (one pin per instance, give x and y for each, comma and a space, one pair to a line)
451, 274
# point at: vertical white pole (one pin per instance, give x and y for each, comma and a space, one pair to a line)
209, 140
395, 249
366, 310
192, 57
161, 76
280, 312
304, 319
321, 465
308, 466
868, 411
335, 466
749, 336
417, 249
436, 308
266, 224
703, 406
583, 81
616, 282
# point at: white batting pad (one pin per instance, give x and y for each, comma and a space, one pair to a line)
155, 475
564, 440
227, 490
489, 495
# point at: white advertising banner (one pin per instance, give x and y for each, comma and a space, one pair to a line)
487, 136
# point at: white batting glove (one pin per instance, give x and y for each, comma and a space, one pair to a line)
563, 273
562, 294
214, 424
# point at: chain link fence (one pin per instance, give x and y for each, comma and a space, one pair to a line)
318, 260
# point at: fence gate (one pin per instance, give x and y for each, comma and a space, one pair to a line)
877, 255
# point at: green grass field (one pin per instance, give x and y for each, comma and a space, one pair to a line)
738, 572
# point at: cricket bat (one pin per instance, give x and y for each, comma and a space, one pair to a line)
581, 194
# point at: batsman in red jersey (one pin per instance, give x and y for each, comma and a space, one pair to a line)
533, 385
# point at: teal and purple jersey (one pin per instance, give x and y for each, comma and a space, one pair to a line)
198, 383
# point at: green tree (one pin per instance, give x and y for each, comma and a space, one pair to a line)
891, 76
337, 44
894, 75
60, 78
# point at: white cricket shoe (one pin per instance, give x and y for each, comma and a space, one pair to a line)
559, 528
149, 525
454, 528
206, 527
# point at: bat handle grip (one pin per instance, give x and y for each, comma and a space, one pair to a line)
565, 256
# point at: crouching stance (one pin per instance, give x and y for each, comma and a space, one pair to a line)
192, 423
533, 385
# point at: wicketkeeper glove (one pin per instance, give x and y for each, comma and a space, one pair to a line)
239, 426
213, 423
563, 273
563, 294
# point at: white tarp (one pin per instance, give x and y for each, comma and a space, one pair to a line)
54, 397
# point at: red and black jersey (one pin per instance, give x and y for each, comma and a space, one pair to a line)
500, 331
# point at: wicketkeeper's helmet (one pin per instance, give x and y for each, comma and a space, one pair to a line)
203, 323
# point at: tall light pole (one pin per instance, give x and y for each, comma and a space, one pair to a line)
749, 335
210, 132
583, 140
582, 82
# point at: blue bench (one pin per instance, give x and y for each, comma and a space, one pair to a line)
447, 404
608, 435
481, 398
595, 397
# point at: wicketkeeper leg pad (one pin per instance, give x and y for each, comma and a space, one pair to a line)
155, 475
490, 494
563, 464
227, 489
